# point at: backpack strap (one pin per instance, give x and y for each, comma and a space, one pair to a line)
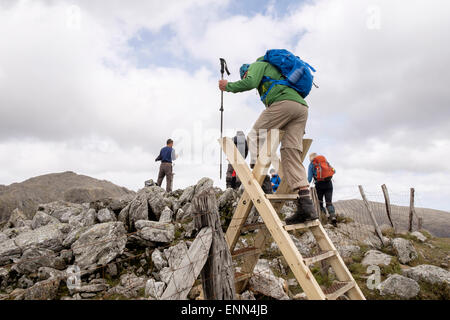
274, 82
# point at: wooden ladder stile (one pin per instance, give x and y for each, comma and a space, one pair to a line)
268, 207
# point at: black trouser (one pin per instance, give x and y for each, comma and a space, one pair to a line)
325, 190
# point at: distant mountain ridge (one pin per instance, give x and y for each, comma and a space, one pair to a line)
66, 186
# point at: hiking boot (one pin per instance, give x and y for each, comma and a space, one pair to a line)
305, 209
331, 211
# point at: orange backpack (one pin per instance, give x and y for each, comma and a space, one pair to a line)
323, 168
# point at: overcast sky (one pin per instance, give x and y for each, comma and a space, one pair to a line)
97, 87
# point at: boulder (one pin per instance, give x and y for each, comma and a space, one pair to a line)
105, 215
34, 258
154, 289
155, 231
186, 196
265, 282
429, 274
100, 244
404, 250
156, 200
41, 219
400, 286
3, 237
247, 295
49, 237
85, 219
43, 290
130, 286
9, 251
158, 260
14, 232
61, 210
166, 215
419, 236
45, 273
374, 257
347, 251
203, 184
16, 219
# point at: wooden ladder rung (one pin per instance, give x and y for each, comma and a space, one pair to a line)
338, 289
249, 251
300, 226
282, 197
240, 276
319, 257
253, 226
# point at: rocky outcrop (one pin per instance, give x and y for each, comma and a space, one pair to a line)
66, 186
429, 274
155, 231
375, 257
99, 244
400, 286
404, 250
266, 283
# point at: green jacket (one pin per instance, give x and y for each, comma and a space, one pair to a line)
255, 74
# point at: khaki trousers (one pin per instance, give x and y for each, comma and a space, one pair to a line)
291, 117
165, 170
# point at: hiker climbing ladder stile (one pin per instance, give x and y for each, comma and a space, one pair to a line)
254, 196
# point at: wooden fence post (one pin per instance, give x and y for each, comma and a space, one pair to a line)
374, 221
387, 202
411, 209
218, 273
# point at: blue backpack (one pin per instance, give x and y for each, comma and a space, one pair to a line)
297, 72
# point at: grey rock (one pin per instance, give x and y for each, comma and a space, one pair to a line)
45, 273
111, 269
186, 196
14, 232
73, 236
43, 290
266, 283
302, 248
400, 286
203, 184
130, 286
91, 288
9, 251
104, 215
227, 198
404, 250
24, 282
41, 219
347, 251
16, 219
61, 210
155, 231
247, 295
374, 257
154, 289
84, 219
3, 237
158, 260
48, 237
100, 244
428, 273
34, 258
419, 236
156, 200
166, 215
175, 254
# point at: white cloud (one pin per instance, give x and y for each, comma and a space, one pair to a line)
71, 99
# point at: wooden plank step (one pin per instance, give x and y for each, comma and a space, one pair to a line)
319, 257
249, 251
338, 289
253, 226
240, 276
282, 197
306, 225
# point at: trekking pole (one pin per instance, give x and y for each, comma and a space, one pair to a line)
223, 68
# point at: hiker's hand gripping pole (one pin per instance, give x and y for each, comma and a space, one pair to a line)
223, 68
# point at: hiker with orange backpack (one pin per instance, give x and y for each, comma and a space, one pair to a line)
322, 173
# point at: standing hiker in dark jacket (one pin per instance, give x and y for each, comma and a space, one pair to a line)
232, 180
324, 187
166, 156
